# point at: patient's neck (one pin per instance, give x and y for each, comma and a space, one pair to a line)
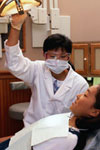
72, 121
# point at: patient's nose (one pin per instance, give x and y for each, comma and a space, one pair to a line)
78, 96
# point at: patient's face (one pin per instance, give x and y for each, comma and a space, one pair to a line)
84, 104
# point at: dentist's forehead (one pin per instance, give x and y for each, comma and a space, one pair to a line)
56, 52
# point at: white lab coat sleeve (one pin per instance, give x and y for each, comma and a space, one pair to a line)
61, 143
84, 87
80, 84
18, 65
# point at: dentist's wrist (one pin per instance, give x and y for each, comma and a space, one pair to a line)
17, 27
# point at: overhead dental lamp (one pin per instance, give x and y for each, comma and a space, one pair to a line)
9, 7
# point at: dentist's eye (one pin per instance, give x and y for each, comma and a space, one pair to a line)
53, 57
63, 56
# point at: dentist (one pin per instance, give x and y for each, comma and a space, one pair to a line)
53, 82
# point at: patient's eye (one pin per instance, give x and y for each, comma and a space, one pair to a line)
85, 95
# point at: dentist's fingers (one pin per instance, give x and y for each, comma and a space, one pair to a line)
17, 20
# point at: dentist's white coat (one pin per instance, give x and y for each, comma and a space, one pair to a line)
43, 100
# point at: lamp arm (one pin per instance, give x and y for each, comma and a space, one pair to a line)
19, 7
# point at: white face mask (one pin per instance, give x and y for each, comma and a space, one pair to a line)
57, 66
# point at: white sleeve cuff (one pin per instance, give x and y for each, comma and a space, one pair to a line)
10, 47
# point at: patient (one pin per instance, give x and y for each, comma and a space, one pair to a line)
85, 118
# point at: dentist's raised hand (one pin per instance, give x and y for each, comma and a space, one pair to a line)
17, 20
16, 24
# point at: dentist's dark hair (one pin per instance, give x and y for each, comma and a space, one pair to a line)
56, 41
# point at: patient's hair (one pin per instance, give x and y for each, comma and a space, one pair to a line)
90, 124
56, 41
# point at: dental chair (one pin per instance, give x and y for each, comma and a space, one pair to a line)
93, 141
